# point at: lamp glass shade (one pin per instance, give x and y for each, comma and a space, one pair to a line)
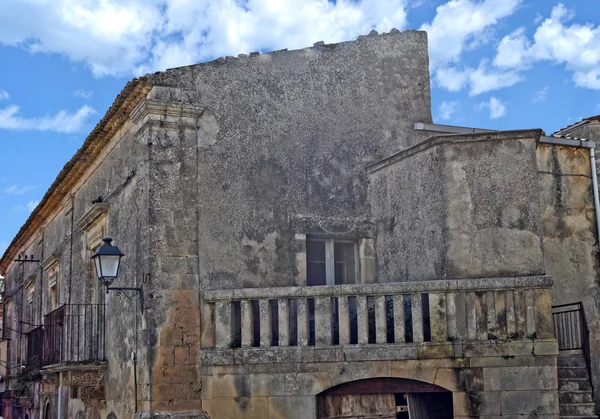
107, 259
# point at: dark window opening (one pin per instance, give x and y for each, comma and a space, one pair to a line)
273, 306
389, 318
255, 323
408, 326
371, 319
236, 324
426, 319
311, 321
353, 320
335, 320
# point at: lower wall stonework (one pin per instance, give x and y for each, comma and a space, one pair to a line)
515, 383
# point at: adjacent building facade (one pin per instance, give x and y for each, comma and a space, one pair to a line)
309, 245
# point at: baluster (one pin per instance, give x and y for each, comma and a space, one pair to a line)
417, 317
437, 316
530, 312
482, 319
247, 323
223, 324
323, 321
362, 317
303, 329
344, 319
265, 322
511, 327
471, 303
492, 326
520, 313
380, 319
451, 316
543, 314
283, 312
399, 318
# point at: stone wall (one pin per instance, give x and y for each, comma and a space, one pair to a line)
459, 206
118, 179
489, 380
570, 237
284, 144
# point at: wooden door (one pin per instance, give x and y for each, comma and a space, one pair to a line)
417, 406
357, 406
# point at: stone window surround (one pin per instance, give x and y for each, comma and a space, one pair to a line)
30, 290
366, 257
94, 226
51, 268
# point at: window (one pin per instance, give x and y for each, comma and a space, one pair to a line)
30, 313
331, 262
52, 293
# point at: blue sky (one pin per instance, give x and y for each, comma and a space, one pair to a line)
502, 64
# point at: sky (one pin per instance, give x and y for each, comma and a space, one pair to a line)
498, 64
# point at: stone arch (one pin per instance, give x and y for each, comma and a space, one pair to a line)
47, 413
385, 397
111, 415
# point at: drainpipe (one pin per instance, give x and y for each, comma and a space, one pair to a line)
595, 186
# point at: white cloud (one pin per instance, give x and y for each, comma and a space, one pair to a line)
121, 37
30, 206
448, 109
541, 95
480, 80
496, 107
84, 94
485, 79
459, 24
18, 190
576, 46
4, 94
451, 78
63, 121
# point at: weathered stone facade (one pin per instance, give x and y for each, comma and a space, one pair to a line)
218, 179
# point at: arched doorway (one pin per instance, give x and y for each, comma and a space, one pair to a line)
385, 398
47, 413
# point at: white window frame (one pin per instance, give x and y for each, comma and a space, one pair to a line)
330, 260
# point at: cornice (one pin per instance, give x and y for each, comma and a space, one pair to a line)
156, 110
96, 212
50, 262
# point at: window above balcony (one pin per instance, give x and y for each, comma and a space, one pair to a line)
331, 261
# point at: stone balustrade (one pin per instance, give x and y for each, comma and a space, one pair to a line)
384, 313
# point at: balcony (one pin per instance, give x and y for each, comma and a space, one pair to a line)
74, 333
404, 320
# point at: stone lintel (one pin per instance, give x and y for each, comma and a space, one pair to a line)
391, 288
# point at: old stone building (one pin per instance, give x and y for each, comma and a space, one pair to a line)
308, 245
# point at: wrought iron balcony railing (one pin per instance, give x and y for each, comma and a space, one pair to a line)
74, 333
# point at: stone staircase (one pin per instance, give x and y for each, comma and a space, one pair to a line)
575, 396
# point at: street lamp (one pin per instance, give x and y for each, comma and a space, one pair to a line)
107, 259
